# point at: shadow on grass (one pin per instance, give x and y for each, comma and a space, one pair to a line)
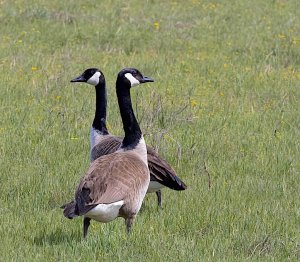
143, 209
150, 204
56, 238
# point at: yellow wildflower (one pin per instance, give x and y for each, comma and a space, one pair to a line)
33, 68
156, 25
281, 36
193, 102
212, 6
296, 40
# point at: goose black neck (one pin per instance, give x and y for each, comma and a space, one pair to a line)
131, 127
99, 122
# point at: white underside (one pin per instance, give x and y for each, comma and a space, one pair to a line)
105, 212
154, 186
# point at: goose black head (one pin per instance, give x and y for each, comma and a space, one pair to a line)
92, 76
133, 77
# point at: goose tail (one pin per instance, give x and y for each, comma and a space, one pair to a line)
162, 172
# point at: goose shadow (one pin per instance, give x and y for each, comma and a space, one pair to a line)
56, 237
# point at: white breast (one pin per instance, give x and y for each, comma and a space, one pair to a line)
105, 212
95, 137
140, 151
154, 186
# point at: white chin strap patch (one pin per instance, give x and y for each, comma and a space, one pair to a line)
94, 80
132, 79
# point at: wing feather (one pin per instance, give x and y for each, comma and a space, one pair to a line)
110, 179
160, 170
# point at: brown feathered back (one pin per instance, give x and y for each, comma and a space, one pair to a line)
111, 178
108, 144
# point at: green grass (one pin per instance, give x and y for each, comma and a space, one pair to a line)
226, 101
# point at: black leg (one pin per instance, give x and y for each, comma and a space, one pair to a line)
86, 224
158, 194
128, 222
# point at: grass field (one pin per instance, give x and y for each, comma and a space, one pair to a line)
225, 106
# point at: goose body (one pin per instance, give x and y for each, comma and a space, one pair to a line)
115, 184
121, 186
161, 173
102, 143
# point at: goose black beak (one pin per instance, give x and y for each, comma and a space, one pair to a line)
147, 79
78, 79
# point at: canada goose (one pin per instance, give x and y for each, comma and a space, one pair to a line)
116, 184
161, 173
